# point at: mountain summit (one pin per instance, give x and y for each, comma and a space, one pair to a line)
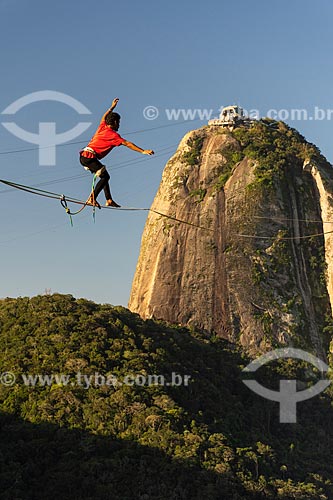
253, 263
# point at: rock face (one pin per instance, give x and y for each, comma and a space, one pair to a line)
246, 258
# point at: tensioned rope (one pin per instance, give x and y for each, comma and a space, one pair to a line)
303, 237
64, 200
299, 237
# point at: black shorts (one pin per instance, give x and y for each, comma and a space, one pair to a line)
92, 164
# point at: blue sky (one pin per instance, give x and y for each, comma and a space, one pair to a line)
177, 54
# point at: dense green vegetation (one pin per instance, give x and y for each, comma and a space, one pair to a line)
212, 438
192, 156
275, 146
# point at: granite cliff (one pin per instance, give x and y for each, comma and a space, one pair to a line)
255, 266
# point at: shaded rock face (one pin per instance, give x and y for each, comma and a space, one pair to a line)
242, 264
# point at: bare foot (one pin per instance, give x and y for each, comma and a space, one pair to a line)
91, 201
111, 203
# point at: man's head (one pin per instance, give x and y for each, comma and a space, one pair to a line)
112, 119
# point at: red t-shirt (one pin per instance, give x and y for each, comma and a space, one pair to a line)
103, 141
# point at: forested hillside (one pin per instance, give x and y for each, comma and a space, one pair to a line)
212, 438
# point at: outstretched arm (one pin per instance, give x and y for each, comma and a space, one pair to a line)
113, 105
132, 146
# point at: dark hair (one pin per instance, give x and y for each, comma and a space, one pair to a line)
112, 119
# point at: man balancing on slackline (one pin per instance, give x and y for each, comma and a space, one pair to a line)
103, 141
